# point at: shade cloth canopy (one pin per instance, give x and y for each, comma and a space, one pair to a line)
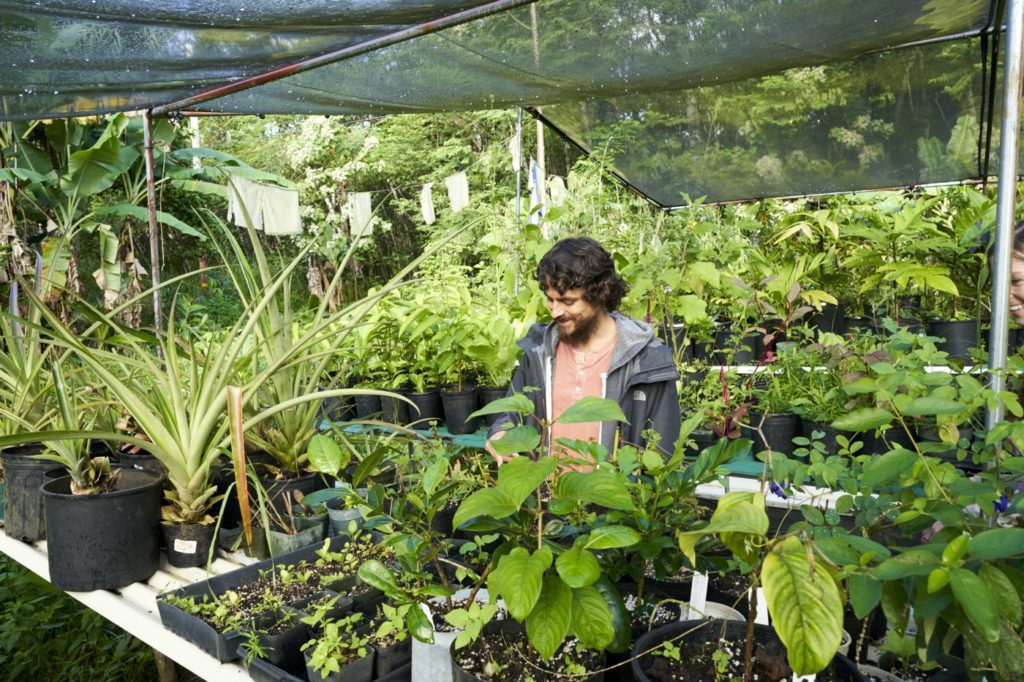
726, 99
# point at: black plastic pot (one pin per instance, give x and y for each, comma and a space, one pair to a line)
391, 658
487, 395
458, 405
428, 408
188, 545
861, 324
280, 492
103, 541
23, 503
733, 349
360, 670
282, 648
673, 334
828, 440
140, 460
831, 318
367, 406
768, 642
778, 431
394, 410
885, 441
959, 337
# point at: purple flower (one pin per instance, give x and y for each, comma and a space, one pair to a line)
1002, 504
777, 489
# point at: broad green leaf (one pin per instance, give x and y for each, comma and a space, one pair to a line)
1008, 604
142, 214
489, 502
865, 593
886, 468
434, 475
521, 476
548, 623
578, 567
515, 440
998, 543
591, 619
938, 579
954, 550
324, 455
610, 537
865, 546
377, 575
419, 625
518, 403
911, 562
863, 419
737, 515
928, 405
592, 409
518, 579
620, 616
972, 594
805, 605
600, 486
691, 308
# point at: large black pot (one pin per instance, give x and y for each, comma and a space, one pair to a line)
23, 503
426, 409
768, 644
831, 318
394, 410
458, 405
367, 406
488, 394
778, 431
734, 349
959, 337
103, 541
829, 437
883, 442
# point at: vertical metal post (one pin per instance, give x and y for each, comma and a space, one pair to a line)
519, 180
1006, 201
154, 241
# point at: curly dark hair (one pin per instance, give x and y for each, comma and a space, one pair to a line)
582, 263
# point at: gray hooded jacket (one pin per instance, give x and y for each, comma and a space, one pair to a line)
641, 378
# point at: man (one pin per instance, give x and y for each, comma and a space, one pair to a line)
588, 349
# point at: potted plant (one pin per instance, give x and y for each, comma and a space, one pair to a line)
338, 651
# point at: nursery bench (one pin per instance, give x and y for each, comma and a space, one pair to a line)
133, 608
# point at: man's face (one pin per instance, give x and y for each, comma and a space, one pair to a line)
576, 318
1017, 288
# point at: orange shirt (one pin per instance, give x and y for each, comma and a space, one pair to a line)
578, 375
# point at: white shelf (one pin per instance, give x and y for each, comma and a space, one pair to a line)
133, 608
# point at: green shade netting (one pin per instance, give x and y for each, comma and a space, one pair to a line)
727, 99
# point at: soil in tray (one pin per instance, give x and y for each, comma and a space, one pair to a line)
508, 657
650, 614
697, 663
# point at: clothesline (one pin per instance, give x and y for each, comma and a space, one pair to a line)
275, 210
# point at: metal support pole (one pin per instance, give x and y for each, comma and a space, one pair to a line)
345, 53
154, 241
1006, 202
519, 179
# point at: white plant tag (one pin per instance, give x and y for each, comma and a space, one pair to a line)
185, 546
698, 597
761, 618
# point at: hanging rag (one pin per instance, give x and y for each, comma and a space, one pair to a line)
427, 203
458, 191
280, 210
557, 190
360, 214
244, 200
515, 150
534, 185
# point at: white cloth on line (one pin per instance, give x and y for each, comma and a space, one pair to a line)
427, 203
515, 150
556, 190
244, 200
458, 191
360, 214
280, 210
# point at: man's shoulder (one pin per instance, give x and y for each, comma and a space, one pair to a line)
534, 336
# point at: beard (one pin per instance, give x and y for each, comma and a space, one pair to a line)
583, 329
